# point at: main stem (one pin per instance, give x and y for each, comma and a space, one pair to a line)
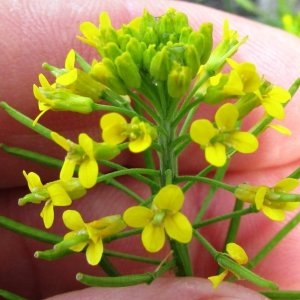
168, 172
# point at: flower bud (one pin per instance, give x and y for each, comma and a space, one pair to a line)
128, 70
136, 49
206, 30
192, 59
106, 72
160, 65
104, 151
179, 81
73, 187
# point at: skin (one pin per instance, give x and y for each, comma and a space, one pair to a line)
33, 32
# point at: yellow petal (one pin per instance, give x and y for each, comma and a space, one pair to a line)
140, 144
73, 220
137, 216
260, 197
67, 170
281, 129
217, 279
274, 109
169, 198
216, 154
226, 116
94, 252
88, 173
153, 238
43, 81
67, 78
86, 144
237, 253
70, 60
60, 140
33, 180
202, 131
273, 213
243, 142
178, 227
47, 214
286, 184
58, 194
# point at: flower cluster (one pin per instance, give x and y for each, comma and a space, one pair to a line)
147, 91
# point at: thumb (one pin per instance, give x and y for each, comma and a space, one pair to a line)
166, 288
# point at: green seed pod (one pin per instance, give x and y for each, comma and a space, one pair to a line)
179, 81
128, 70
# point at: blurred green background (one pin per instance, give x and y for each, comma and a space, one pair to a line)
279, 13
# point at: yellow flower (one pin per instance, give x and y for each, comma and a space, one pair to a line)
55, 193
50, 97
70, 74
272, 99
95, 232
115, 130
272, 201
81, 154
228, 46
163, 217
236, 253
215, 138
242, 79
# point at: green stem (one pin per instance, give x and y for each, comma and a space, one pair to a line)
29, 231
108, 267
211, 182
126, 190
123, 281
212, 190
132, 257
274, 241
234, 224
110, 108
237, 213
206, 244
291, 295
133, 172
26, 121
34, 156
10, 296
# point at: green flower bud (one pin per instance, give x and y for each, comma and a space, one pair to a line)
185, 34
179, 81
136, 49
73, 187
128, 70
150, 36
104, 151
111, 51
86, 86
148, 54
106, 72
197, 40
206, 31
191, 59
160, 65
65, 100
